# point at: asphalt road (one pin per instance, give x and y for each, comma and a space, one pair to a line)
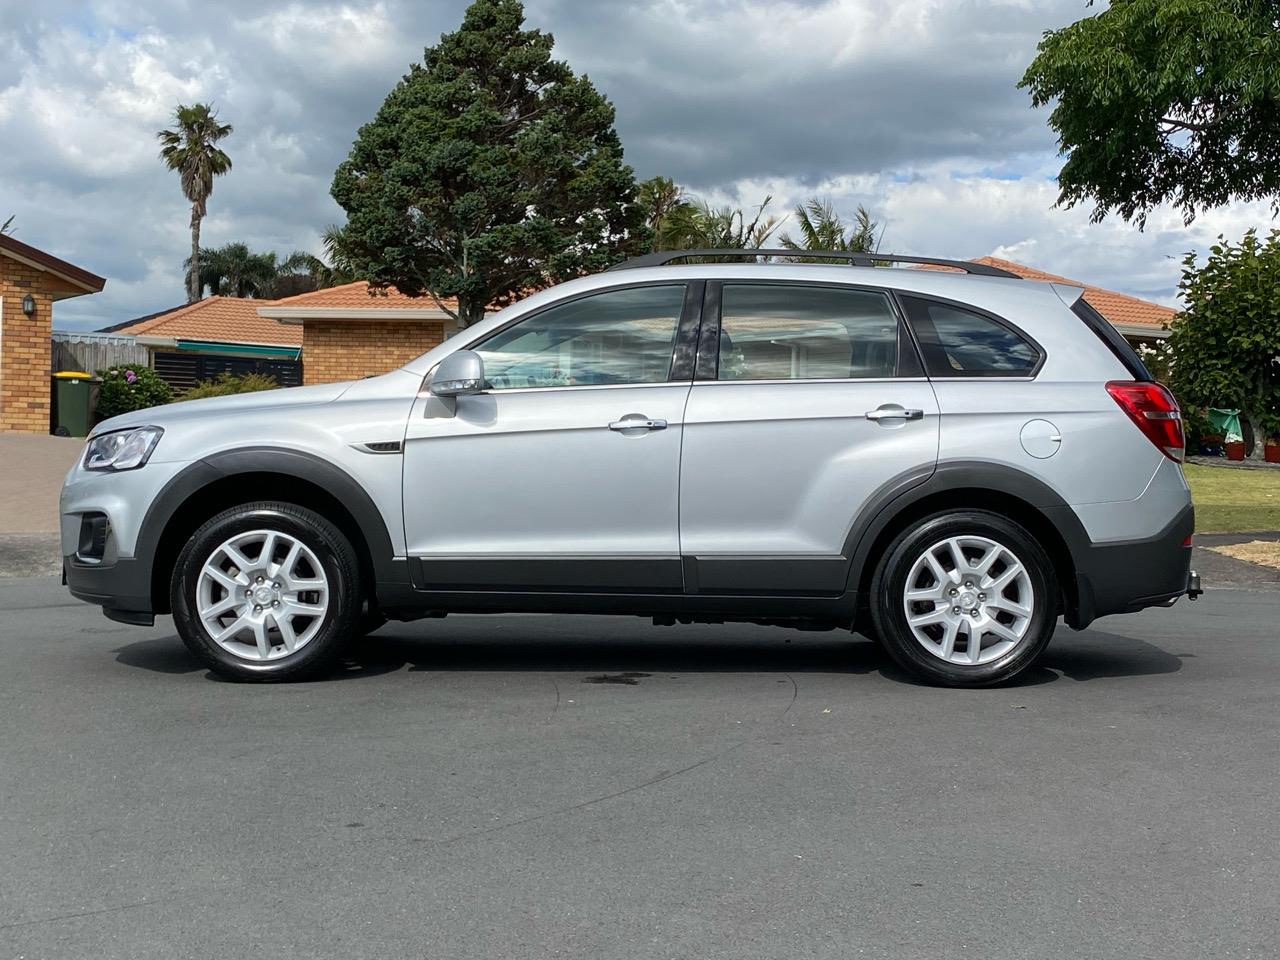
470, 788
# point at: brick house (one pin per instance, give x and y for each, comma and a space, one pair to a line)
352, 331
197, 341
26, 326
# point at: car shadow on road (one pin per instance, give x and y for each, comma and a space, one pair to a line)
1091, 655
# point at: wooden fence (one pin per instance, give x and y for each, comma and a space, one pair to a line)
96, 351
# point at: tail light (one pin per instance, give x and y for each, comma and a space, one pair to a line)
1152, 407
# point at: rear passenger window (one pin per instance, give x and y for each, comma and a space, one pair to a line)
792, 332
960, 343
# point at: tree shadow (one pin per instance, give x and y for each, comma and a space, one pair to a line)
594, 647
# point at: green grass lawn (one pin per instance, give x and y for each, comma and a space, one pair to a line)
1232, 501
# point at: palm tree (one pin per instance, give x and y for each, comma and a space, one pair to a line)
302, 272
233, 270
822, 229
191, 149
666, 203
698, 224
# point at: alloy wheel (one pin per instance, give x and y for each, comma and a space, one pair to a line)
262, 595
968, 600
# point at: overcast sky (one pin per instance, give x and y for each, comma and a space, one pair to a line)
909, 108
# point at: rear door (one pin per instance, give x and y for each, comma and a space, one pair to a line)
809, 400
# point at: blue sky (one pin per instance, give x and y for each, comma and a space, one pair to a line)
910, 109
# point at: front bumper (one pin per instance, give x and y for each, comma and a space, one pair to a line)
122, 588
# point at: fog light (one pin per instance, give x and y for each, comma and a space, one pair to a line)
92, 545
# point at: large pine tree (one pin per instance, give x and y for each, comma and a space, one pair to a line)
490, 169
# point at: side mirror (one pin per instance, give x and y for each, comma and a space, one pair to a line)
458, 375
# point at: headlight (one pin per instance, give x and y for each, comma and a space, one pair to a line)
121, 449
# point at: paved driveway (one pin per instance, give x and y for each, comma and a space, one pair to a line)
517, 787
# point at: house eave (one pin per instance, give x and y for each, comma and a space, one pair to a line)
297, 315
1149, 331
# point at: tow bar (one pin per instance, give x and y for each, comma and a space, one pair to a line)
1193, 585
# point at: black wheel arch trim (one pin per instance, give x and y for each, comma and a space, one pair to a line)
295, 463
1105, 578
904, 491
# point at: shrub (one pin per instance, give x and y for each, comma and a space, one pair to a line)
128, 388
226, 384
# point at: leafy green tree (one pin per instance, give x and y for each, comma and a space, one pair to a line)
1226, 344
1164, 100
821, 228
490, 169
191, 148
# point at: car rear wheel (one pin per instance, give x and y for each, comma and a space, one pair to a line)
964, 599
267, 591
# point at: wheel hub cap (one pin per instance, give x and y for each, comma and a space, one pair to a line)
262, 595
968, 600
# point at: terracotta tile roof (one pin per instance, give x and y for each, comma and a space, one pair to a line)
1118, 308
221, 319
357, 295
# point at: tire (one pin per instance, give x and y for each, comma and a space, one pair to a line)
310, 585
1013, 623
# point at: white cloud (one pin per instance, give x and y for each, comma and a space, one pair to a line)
910, 108
962, 213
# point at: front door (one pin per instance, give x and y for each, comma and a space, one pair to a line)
562, 476
809, 402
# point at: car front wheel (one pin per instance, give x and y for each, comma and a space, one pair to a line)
267, 591
965, 599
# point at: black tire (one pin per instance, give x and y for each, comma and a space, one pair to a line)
340, 622
889, 618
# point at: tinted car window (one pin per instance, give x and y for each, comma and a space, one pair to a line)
791, 332
961, 343
616, 337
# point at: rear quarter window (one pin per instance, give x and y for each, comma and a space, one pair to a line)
957, 342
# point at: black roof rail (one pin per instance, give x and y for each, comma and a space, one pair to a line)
859, 259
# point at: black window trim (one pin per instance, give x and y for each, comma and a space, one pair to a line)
683, 347
1114, 340
1041, 354
708, 366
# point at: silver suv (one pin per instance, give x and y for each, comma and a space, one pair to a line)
947, 462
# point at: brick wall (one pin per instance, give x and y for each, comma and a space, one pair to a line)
334, 350
24, 347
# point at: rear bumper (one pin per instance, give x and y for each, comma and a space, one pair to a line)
122, 588
1132, 575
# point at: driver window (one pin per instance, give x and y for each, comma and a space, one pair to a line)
616, 337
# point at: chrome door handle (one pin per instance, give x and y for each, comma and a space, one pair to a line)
894, 413
638, 424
